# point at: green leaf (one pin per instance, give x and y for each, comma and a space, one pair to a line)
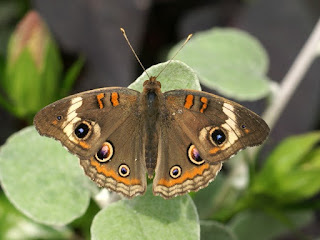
6, 104
291, 172
206, 198
289, 154
312, 160
228, 60
71, 76
211, 230
42, 179
148, 217
300, 184
177, 75
3, 101
259, 225
2, 67
83, 224
32, 73
14, 225
49, 82
19, 84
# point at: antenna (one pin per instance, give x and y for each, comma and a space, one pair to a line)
185, 42
125, 36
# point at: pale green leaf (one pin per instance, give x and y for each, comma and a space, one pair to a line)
228, 60
212, 230
42, 179
148, 217
177, 75
15, 226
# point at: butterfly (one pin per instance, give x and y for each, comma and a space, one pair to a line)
119, 134
180, 138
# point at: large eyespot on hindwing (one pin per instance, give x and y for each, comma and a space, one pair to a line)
194, 155
105, 153
217, 136
175, 171
124, 170
82, 130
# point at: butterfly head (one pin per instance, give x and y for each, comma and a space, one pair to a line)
152, 84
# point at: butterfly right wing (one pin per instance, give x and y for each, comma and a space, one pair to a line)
199, 131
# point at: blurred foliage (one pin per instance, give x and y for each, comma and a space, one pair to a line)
262, 225
10, 13
31, 75
291, 173
267, 214
279, 197
14, 225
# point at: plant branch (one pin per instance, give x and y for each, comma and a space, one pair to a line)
291, 81
294, 76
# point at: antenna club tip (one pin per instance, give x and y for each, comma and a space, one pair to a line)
189, 36
122, 30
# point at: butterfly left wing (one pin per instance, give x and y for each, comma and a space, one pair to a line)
205, 130
102, 127
125, 171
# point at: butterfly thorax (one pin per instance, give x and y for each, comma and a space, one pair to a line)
152, 99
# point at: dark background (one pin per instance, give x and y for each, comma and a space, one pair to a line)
91, 27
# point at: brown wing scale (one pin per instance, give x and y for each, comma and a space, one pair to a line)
207, 117
216, 129
84, 122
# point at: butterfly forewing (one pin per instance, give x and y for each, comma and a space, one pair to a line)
217, 126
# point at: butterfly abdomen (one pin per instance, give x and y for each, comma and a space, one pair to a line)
152, 98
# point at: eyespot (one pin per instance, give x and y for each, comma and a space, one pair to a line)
105, 153
243, 126
124, 170
217, 136
175, 171
59, 118
194, 155
82, 130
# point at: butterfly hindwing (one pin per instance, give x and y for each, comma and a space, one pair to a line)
180, 169
119, 164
